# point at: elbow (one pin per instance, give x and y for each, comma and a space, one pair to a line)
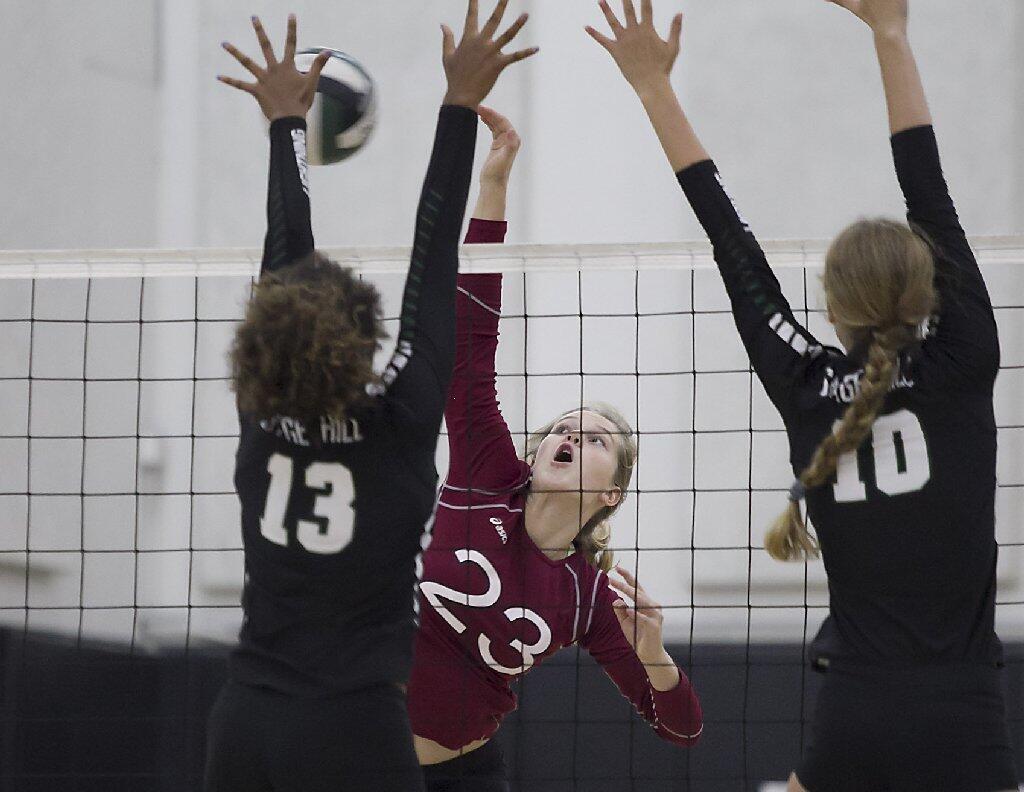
688, 732
685, 713
694, 738
686, 738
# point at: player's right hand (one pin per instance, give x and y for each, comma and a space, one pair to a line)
505, 144
475, 63
281, 89
884, 17
644, 58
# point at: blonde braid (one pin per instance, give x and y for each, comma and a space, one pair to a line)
787, 539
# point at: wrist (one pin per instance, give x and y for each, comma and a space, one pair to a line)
663, 674
296, 113
653, 88
659, 659
892, 35
454, 97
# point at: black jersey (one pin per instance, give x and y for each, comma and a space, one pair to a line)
333, 512
906, 526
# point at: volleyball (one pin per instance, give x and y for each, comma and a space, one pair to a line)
344, 110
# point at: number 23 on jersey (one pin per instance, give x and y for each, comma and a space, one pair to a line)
436, 593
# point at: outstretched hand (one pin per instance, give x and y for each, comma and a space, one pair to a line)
505, 144
882, 16
475, 63
643, 57
280, 88
641, 622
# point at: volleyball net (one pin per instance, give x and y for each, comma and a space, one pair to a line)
118, 519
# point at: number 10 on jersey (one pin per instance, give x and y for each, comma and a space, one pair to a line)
335, 493
900, 452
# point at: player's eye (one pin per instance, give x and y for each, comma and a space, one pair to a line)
599, 439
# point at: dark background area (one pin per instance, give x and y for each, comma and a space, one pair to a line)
91, 717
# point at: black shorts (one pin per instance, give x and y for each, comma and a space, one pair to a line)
260, 740
933, 729
482, 770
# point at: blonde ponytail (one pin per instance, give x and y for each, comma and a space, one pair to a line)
788, 538
593, 543
879, 281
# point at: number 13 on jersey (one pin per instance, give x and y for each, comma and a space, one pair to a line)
331, 505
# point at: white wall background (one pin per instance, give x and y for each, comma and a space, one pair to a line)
117, 135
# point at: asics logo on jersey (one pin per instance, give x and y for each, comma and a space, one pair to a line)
500, 529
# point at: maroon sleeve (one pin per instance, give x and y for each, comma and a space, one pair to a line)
483, 232
481, 452
675, 715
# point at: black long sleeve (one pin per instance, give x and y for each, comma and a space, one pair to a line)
966, 332
289, 230
333, 510
420, 370
778, 345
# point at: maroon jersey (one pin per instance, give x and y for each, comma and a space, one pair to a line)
492, 605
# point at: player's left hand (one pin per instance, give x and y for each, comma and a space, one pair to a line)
642, 622
281, 89
643, 57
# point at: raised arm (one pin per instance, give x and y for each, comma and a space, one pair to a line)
481, 452
967, 328
904, 93
420, 370
646, 61
779, 347
626, 640
492, 200
289, 236
285, 96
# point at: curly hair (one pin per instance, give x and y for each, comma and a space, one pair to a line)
596, 534
305, 348
880, 282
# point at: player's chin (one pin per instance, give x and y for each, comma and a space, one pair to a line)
557, 477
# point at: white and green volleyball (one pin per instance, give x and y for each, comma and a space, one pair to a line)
344, 110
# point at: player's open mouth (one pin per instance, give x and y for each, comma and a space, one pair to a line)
563, 454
